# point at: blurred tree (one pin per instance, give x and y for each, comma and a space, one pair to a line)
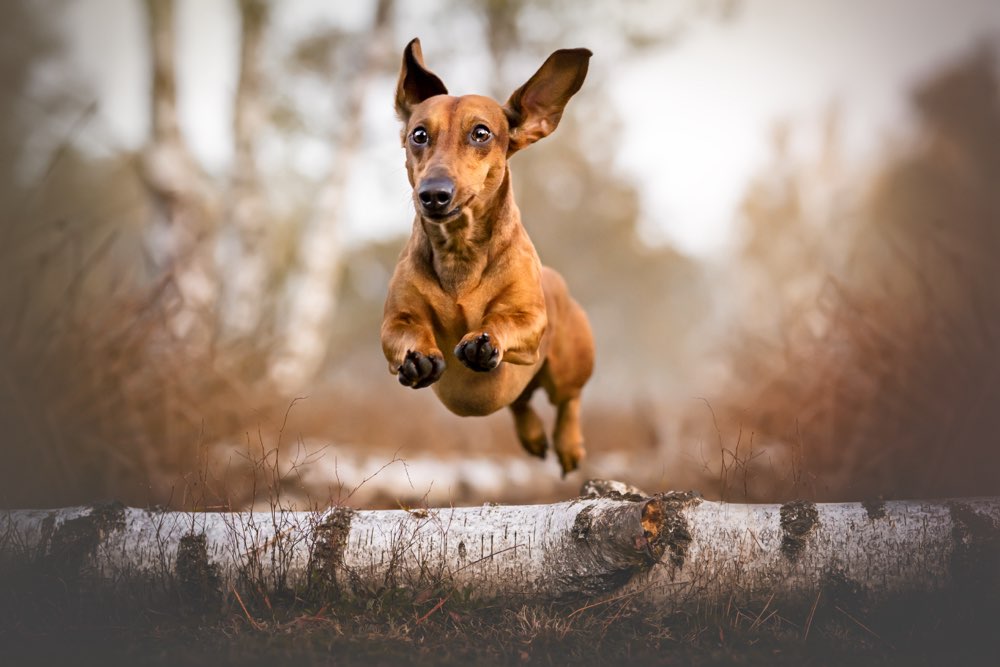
244, 240
182, 196
24, 41
312, 287
198, 220
519, 29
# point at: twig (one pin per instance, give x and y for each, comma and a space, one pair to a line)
859, 623
812, 612
253, 623
757, 620
433, 609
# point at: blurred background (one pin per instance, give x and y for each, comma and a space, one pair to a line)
782, 218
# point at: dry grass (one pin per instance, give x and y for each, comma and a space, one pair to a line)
98, 398
882, 379
442, 628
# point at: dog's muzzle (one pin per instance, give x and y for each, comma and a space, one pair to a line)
436, 196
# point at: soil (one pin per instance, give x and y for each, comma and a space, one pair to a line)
432, 633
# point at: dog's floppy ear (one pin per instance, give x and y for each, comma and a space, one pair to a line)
535, 108
416, 82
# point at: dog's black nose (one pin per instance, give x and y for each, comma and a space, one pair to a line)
436, 194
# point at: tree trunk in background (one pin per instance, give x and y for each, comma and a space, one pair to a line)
503, 37
312, 288
181, 200
673, 552
245, 246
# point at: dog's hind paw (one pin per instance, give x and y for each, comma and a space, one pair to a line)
570, 458
420, 370
478, 352
536, 446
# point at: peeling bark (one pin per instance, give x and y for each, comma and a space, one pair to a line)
796, 551
672, 551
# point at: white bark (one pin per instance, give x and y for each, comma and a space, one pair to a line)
672, 551
796, 552
313, 286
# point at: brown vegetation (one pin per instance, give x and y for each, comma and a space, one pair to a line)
881, 370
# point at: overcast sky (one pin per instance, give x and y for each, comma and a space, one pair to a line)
695, 116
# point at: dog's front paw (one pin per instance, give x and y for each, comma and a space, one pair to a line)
478, 352
420, 370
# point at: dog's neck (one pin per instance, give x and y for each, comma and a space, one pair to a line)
461, 249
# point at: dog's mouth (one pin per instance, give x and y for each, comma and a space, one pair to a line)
441, 217
444, 216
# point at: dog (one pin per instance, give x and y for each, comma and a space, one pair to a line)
469, 281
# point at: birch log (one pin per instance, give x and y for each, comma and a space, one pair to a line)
673, 551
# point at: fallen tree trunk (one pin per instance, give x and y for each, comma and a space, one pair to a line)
674, 551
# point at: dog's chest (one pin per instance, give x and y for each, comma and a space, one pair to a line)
461, 299
458, 317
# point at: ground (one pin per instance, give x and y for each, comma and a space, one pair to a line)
442, 629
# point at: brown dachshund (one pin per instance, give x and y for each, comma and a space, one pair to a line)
469, 281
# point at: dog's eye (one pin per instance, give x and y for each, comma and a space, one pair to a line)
481, 134
419, 136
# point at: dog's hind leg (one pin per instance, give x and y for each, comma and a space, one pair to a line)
568, 436
569, 362
530, 430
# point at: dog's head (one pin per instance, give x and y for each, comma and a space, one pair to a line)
457, 147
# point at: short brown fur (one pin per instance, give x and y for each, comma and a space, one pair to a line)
471, 311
